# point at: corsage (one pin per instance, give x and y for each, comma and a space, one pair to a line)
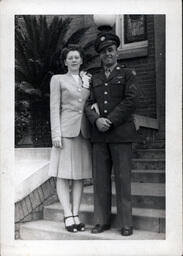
86, 79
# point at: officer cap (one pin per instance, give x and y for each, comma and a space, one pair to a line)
106, 39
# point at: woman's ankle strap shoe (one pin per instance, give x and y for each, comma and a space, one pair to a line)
70, 228
67, 217
79, 226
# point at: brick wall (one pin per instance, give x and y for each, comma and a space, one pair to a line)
31, 207
146, 78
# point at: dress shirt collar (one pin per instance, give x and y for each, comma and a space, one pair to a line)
111, 68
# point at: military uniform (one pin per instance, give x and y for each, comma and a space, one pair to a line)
116, 98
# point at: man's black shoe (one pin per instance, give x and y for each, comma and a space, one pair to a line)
100, 228
127, 231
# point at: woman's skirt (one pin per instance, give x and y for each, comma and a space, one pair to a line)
73, 161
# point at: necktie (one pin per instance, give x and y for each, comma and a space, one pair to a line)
107, 72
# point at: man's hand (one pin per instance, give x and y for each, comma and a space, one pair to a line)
57, 142
103, 124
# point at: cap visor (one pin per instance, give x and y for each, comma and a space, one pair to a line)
104, 45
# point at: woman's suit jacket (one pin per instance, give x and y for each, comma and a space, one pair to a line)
67, 101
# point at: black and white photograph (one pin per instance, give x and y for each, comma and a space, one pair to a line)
94, 150
90, 146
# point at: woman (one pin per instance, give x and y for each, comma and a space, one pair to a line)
71, 151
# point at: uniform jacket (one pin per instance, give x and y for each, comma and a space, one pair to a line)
116, 97
67, 100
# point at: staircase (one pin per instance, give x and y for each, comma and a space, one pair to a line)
148, 197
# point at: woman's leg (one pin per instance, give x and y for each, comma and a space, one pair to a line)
63, 192
77, 189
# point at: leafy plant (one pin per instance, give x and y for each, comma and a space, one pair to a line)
22, 114
38, 44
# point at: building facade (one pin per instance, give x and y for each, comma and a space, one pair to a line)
142, 49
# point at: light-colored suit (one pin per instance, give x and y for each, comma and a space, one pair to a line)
67, 101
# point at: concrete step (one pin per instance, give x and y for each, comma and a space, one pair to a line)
148, 176
144, 195
149, 153
50, 230
143, 219
148, 164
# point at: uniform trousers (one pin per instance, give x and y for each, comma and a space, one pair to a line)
119, 157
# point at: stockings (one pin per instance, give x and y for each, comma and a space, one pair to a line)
70, 201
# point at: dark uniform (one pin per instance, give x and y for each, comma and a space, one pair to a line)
116, 97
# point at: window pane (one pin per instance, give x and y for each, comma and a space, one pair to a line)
134, 28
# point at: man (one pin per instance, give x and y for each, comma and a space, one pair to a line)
113, 132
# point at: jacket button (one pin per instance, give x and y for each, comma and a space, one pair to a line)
106, 84
105, 111
105, 101
105, 93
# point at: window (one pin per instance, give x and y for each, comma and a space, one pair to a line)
132, 31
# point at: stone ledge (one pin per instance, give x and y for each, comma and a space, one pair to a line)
29, 176
32, 153
133, 52
33, 187
145, 121
31, 170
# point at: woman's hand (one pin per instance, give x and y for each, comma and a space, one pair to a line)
96, 108
57, 142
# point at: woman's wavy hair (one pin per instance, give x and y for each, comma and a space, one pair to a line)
69, 48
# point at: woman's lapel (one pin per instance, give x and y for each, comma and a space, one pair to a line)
72, 80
